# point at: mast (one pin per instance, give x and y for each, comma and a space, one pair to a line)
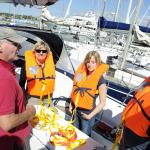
116, 14
104, 4
68, 9
128, 12
67, 13
97, 41
130, 34
41, 25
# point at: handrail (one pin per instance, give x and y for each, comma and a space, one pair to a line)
119, 91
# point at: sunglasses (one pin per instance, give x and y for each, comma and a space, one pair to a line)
39, 51
15, 44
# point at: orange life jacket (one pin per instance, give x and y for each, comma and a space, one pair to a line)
136, 115
84, 89
35, 75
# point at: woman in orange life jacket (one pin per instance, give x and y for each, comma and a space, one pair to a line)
136, 118
87, 79
39, 72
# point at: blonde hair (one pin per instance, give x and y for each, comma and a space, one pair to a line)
96, 56
40, 45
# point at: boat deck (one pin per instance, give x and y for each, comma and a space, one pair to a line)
40, 140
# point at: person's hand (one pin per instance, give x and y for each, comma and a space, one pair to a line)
85, 116
31, 110
70, 108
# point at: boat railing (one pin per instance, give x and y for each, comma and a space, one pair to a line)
119, 93
125, 77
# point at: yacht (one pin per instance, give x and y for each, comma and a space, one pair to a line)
85, 23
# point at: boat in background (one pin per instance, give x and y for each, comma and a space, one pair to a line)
86, 24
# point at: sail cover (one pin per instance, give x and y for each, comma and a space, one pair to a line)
30, 2
104, 23
140, 37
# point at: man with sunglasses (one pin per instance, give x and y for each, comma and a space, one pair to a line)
39, 72
13, 114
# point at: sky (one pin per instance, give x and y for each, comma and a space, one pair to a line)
80, 7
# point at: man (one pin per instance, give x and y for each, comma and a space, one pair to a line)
13, 115
136, 118
39, 71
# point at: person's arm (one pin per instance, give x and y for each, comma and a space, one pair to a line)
8, 96
102, 101
10, 121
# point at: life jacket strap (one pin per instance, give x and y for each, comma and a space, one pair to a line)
43, 78
143, 111
42, 93
82, 90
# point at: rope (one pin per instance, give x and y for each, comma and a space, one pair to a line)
80, 92
60, 135
118, 135
75, 109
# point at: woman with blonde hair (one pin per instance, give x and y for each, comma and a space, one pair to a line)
88, 79
39, 72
